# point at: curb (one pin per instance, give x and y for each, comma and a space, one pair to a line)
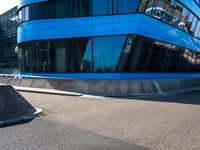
46, 91
37, 113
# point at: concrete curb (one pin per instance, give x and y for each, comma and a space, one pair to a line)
158, 94
46, 91
37, 113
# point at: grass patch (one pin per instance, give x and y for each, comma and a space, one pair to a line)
44, 113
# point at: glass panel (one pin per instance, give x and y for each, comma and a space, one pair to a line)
177, 14
125, 6
197, 28
143, 5
184, 19
107, 51
194, 24
110, 54
26, 13
73, 55
150, 7
20, 16
159, 11
34, 12
26, 57
63, 8
33, 57
199, 34
86, 64
102, 7
168, 11
81, 7
81, 55
190, 17
126, 53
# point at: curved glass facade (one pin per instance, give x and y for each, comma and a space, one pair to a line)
116, 40
169, 11
123, 53
76, 8
173, 13
198, 2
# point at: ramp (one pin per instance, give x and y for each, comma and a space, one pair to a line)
14, 107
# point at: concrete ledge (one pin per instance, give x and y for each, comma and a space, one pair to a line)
14, 107
106, 87
46, 91
97, 87
37, 113
52, 84
15, 82
38, 83
26, 82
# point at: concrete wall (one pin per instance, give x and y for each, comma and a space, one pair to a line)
111, 87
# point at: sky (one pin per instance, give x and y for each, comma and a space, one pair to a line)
7, 4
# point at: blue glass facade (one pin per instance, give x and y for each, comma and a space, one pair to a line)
8, 39
108, 36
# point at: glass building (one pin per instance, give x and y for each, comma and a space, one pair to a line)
8, 39
108, 37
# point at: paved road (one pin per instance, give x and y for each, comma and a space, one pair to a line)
170, 122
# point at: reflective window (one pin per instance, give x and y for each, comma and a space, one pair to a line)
173, 13
150, 7
194, 25
190, 17
199, 34
20, 19
107, 51
146, 55
79, 56
131, 53
125, 6
25, 13
184, 19
102, 7
168, 14
177, 14
197, 29
34, 14
143, 5
77, 8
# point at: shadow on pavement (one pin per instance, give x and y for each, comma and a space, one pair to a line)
51, 135
184, 98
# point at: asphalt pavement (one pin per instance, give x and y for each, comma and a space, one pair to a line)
90, 123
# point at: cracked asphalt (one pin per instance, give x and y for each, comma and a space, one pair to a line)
90, 123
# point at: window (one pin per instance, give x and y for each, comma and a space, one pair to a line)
125, 6
25, 13
126, 53
173, 13
77, 8
150, 7
169, 8
107, 51
190, 17
102, 7
197, 29
184, 19
20, 19
34, 12
143, 5
194, 25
